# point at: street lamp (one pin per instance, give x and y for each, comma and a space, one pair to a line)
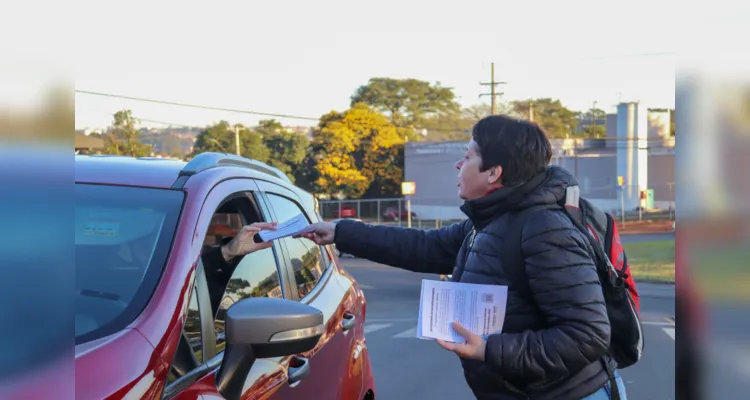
237, 138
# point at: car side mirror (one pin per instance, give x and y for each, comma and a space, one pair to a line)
262, 328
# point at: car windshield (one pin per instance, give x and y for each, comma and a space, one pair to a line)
122, 239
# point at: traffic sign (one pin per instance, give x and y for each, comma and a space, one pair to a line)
620, 182
408, 188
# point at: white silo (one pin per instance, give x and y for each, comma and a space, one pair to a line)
632, 151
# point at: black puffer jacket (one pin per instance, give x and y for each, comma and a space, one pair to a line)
548, 350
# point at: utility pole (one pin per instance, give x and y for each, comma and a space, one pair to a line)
593, 118
531, 111
492, 83
237, 138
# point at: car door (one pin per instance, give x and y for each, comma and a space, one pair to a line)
267, 376
311, 270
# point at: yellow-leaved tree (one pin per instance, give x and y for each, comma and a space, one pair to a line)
358, 152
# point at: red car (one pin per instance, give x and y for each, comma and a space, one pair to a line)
346, 212
392, 213
156, 320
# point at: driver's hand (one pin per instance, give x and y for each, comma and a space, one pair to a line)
243, 243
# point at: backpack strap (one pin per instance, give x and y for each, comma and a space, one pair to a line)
514, 263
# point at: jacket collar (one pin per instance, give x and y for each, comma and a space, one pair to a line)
500, 201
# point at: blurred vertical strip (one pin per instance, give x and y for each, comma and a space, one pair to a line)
713, 217
36, 246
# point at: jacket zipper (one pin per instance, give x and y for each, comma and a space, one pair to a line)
471, 241
507, 385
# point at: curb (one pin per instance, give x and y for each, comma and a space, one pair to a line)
654, 281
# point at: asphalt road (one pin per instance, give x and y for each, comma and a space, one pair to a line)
409, 368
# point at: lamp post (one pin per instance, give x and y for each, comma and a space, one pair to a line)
237, 138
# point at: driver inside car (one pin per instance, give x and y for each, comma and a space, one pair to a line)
220, 262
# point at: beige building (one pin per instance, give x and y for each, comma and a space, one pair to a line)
432, 167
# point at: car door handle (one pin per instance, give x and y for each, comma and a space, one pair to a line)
299, 368
348, 321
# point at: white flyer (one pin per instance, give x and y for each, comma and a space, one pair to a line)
291, 227
478, 308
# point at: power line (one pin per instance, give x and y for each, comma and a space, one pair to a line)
655, 54
168, 123
172, 103
620, 140
455, 130
233, 110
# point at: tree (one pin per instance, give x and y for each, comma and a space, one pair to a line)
592, 123
237, 285
476, 112
221, 138
595, 132
556, 120
407, 102
123, 137
307, 175
287, 149
358, 149
590, 114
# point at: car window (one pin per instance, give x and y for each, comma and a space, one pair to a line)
306, 258
122, 239
192, 327
192, 339
306, 263
255, 276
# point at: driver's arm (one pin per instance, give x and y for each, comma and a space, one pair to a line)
219, 269
217, 262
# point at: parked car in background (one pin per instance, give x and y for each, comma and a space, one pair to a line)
392, 213
346, 212
152, 321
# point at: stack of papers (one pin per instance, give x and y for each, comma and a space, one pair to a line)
291, 227
478, 308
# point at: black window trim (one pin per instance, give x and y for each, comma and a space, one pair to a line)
207, 329
291, 290
290, 270
259, 203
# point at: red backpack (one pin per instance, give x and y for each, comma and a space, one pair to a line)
603, 228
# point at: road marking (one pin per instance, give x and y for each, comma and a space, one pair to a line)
370, 328
407, 334
366, 287
669, 332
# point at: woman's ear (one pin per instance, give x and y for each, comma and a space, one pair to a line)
495, 174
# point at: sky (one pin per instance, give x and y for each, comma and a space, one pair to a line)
307, 58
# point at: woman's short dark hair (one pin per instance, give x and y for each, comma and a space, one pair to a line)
520, 147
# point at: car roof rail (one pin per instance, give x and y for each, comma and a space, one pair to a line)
204, 161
